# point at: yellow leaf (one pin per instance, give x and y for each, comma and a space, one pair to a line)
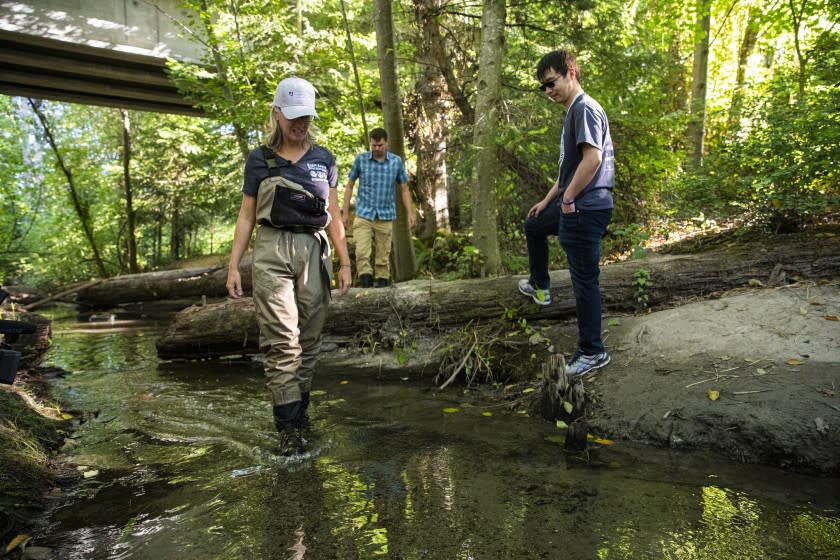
512, 333
16, 542
828, 317
803, 310
451, 410
602, 441
562, 425
794, 362
343, 382
487, 413
90, 473
568, 407
65, 416
755, 283
760, 371
317, 393
555, 439
713, 395
528, 390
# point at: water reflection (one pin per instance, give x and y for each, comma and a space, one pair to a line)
184, 452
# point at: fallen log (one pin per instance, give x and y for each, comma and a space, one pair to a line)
229, 327
187, 284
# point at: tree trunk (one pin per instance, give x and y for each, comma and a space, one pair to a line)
131, 240
230, 327
485, 229
431, 126
82, 210
801, 57
697, 111
187, 284
405, 264
748, 41
240, 133
355, 68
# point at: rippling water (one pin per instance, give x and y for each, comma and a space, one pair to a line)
180, 465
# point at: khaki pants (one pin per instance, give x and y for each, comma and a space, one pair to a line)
291, 297
365, 234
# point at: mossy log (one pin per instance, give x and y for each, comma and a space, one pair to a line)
191, 284
229, 327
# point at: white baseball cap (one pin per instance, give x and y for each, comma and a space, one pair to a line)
295, 97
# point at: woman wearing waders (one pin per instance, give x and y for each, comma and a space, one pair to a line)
289, 192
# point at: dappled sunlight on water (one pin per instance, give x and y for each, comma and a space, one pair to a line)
187, 470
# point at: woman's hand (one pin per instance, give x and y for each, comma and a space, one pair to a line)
345, 279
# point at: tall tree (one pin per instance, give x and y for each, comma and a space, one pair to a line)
486, 166
430, 123
79, 204
131, 236
745, 49
697, 110
405, 265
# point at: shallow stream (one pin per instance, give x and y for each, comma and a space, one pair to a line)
179, 464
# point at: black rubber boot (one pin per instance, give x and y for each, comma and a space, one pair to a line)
287, 420
382, 283
304, 417
366, 281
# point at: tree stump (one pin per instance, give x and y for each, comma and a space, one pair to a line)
564, 400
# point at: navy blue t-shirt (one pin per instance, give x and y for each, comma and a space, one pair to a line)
316, 171
586, 123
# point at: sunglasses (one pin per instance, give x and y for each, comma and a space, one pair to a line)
544, 86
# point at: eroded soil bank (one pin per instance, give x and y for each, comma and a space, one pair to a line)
754, 375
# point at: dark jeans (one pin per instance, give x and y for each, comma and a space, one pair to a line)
537, 230
580, 237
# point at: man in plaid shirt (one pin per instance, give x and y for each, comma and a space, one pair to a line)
376, 208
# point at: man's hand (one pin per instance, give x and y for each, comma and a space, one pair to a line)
345, 217
537, 208
234, 283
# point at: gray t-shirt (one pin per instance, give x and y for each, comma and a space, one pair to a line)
586, 123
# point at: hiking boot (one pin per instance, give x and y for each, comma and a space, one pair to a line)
540, 297
382, 283
291, 443
366, 281
582, 364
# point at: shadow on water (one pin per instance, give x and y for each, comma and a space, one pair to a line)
180, 464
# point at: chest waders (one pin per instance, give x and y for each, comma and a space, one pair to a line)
290, 315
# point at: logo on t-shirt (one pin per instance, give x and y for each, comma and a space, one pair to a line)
317, 172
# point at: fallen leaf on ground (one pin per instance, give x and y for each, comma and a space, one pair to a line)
568, 407
450, 410
343, 382
794, 362
528, 390
487, 413
828, 317
713, 395
562, 425
16, 542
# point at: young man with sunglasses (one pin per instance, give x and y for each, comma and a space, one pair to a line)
577, 208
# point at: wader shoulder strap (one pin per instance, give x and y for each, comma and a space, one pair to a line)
273, 161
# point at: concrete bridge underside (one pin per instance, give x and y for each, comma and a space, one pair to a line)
50, 69
99, 52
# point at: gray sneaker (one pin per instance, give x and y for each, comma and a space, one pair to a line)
540, 297
582, 364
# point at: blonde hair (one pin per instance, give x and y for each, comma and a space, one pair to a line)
273, 137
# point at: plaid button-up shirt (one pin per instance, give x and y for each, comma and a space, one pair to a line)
375, 198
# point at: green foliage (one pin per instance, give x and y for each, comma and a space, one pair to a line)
449, 257
631, 237
642, 284
782, 172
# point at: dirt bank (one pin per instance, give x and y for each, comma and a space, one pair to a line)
754, 375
